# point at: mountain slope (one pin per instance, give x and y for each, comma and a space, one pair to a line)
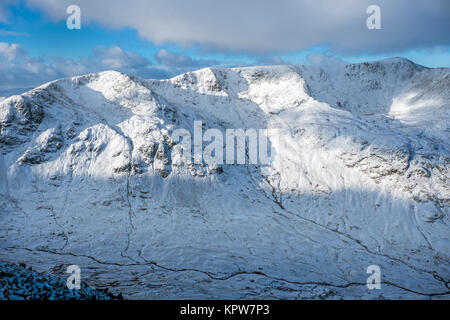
359, 177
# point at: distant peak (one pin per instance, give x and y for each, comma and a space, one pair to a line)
397, 60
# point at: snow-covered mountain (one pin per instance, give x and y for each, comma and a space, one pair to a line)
359, 177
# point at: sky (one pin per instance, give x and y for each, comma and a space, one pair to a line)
164, 38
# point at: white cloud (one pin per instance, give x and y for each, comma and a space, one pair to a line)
19, 70
116, 58
9, 51
267, 26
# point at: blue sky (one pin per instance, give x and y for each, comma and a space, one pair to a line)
158, 39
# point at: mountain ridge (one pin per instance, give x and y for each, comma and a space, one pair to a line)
89, 176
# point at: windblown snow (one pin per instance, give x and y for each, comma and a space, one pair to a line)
359, 177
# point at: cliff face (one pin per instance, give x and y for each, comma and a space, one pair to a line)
90, 175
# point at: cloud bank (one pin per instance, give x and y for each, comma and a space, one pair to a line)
263, 26
19, 70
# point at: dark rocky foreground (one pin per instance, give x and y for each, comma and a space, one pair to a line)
17, 282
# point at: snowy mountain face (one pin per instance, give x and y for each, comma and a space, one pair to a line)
90, 175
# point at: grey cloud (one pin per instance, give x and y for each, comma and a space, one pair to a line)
168, 58
263, 26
